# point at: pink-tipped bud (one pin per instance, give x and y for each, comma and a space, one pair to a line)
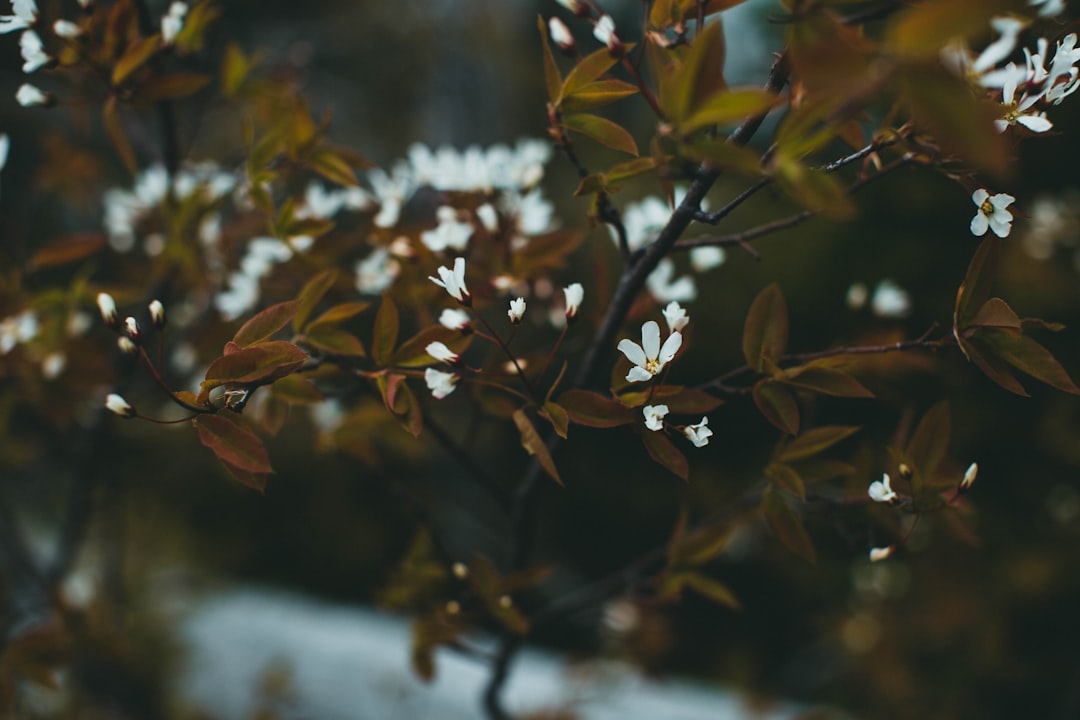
131, 327
604, 31
157, 314
116, 404
880, 553
517, 309
126, 346
441, 352
561, 35
575, 293
107, 308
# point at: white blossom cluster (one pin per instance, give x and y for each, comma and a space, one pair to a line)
643, 220
1041, 79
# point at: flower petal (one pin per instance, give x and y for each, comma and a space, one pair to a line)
632, 351
979, 196
650, 340
638, 374
979, 224
671, 346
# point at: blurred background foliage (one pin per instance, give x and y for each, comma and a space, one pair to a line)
957, 625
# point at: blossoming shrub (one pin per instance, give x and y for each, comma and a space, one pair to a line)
444, 289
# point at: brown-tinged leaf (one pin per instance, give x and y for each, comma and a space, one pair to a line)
688, 8
700, 546
233, 443
826, 381
587, 71
255, 481
986, 359
331, 165
333, 340
266, 323
786, 524
814, 441
534, 445
386, 331
172, 87
597, 94
700, 77
135, 56
257, 364
723, 155
552, 77
274, 413
778, 405
660, 14
629, 169
554, 413
312, 292
710, 588
65, 249
929, 443
1029, 324
765, 333
594, 410
665, 454
1029, 357
996, 313
974, 292
816, 190
692, 402
925, 28
297, 390
413, 352
786, 477
729, 106
114, 126
341, 313
602, 131
818, 468
235, 68
832, 60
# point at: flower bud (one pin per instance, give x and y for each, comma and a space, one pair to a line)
66, 29
126, 346
120, 406
506, 602
880, 553
107, 308
131, 327
905, 471
517, 309
460, 570
561, 35
969, 476
31, 96
575, 293
453, 607
157, 314
441, 352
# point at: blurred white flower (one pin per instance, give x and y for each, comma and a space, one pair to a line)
992, 213
29, 96
453, 281
663, 285
890, 300
560, 34
706, 257
454, 319
440, 383
117, 404
441, 352
880, 553
449, 233
376, 272
66, 29
25, 15
574, 293
881, 490
676, 317
33, 51
173, 22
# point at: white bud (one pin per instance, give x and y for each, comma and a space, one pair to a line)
131, 327
517, 309
969, 476
460, 570
575, 293
157, 314
120, 406
66, 29
126, 346
880, 553
107, 307
30, 96
560, 34
441, 352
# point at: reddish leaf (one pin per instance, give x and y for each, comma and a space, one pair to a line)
996, 313
974, 292
814, 441
312, 292
534, 445
254, 365
765, 333
665, 454
827, 381
1030, 357
386, 331
786, 524
233, 443
778, 405
929, 443
266, 323
602, 131
594, 410
296, 389
987, 360
66, 249
255, 481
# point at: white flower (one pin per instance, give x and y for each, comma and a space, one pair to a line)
575, 293
890, 300
126, 346
649, 358
119, 405
1009, 30
604, 31
107, 307
880, 553
706, 257
25, 16
29, 96
376, 272
449, 233
654, 416
1017, 111
560, 34
488, 217
1050, 8
440, 352
33, 51
52, 365
699, 434
663, 285
453, 281
571, 5
881, 490
676, 317
66, 29
857, 295
517, 309
131, 327
440, 383
17, 329
173, 22
992, 213
969, 476
454, 319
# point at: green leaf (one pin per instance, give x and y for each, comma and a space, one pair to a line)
925, 28
815, 441
597, 94
135, 56
552, 76
826, 381
778, 405
996, 313
233, 443
587, 71
341, 313
700, 77
1029, 357
700, 546
729, 106
534, 445
386, 331
172, 87
333, 340
594, 410
723, 155
816, 190
312, 292
765, 333
558, 418
786, 477
707, 587
266, 323
332, 166
602, 131
786, 524
665, 454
